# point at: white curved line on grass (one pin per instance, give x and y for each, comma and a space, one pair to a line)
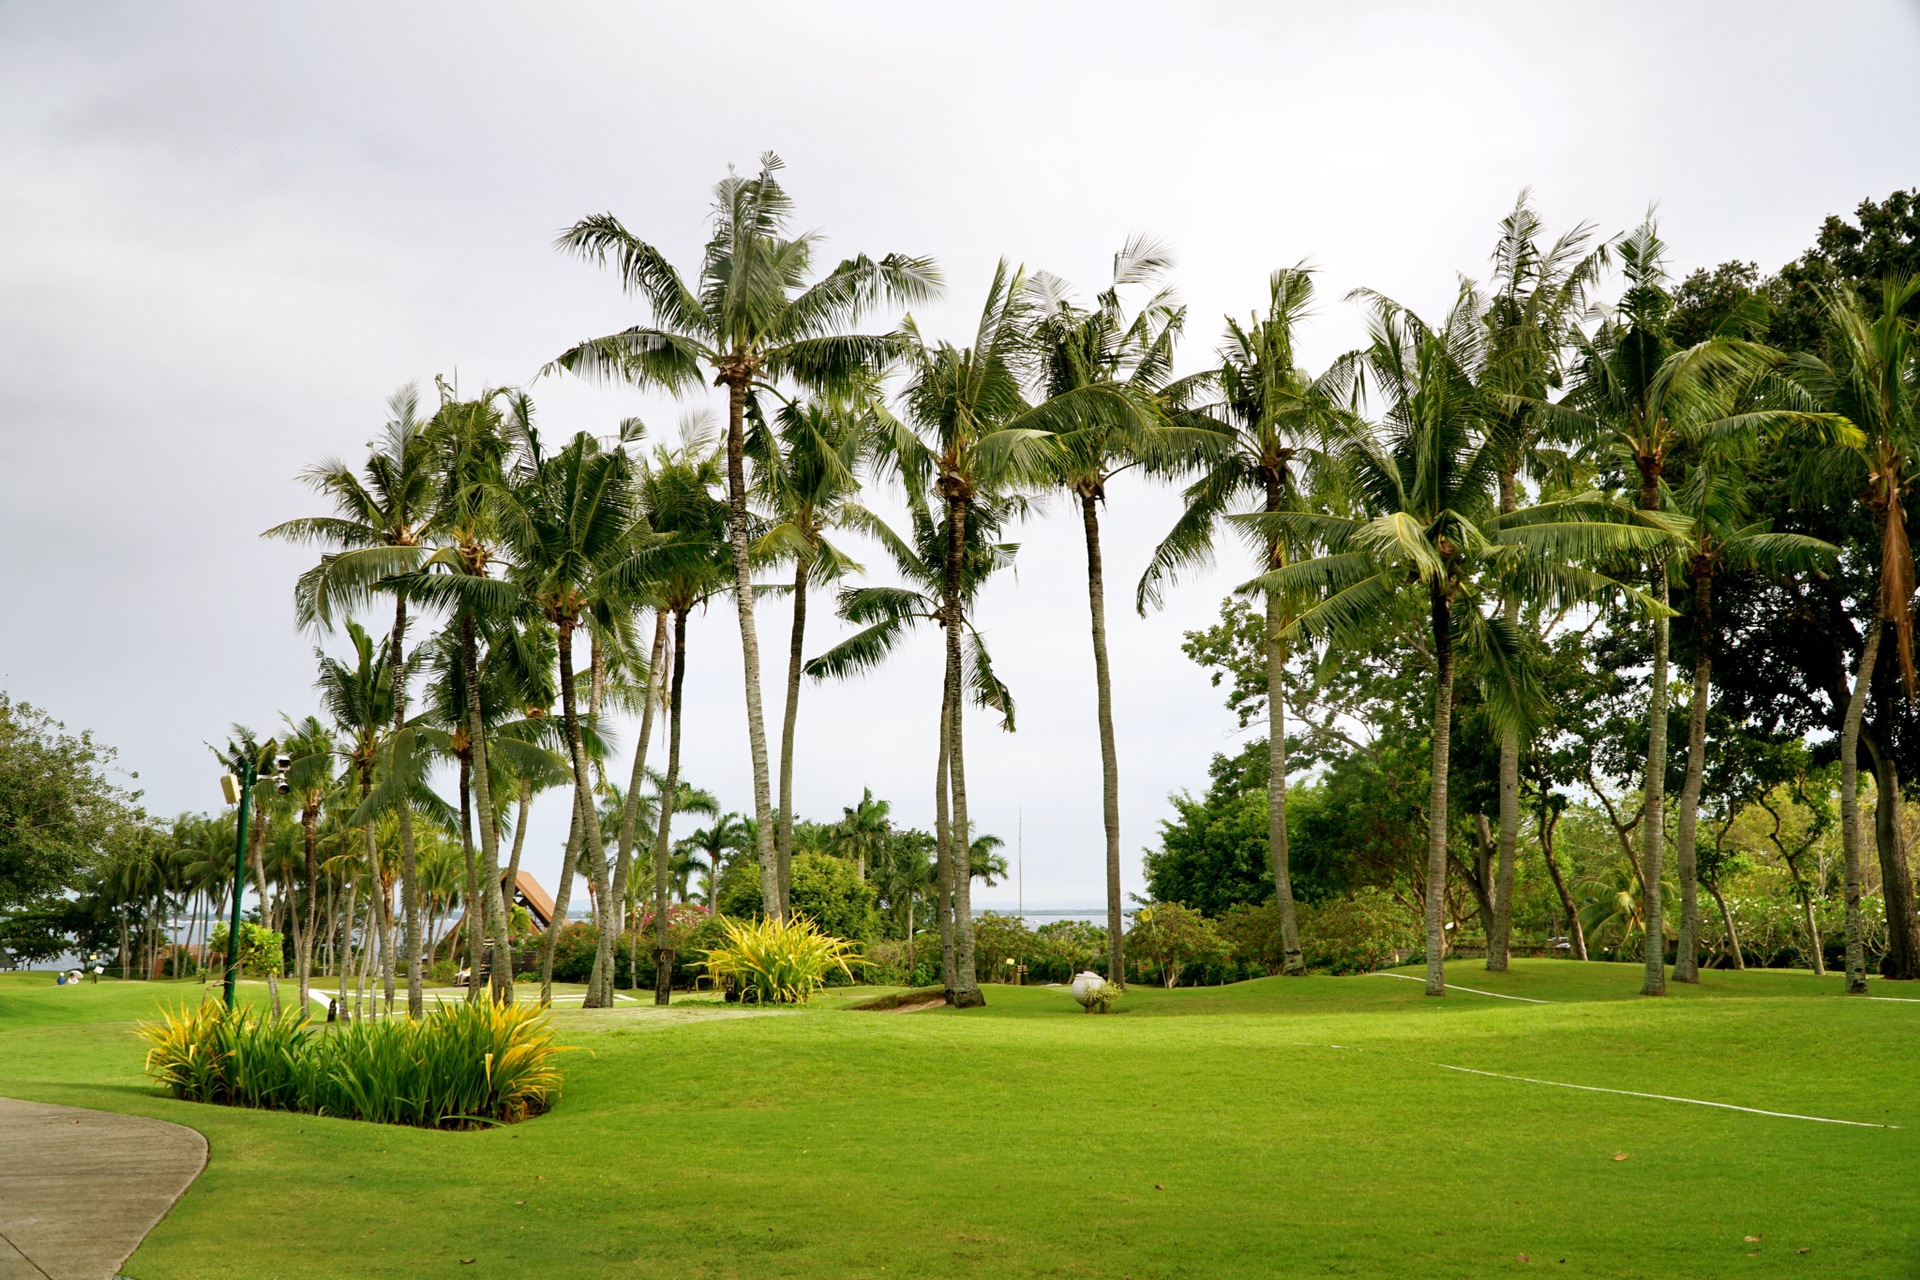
1667, 1097
1896, 999
1470, 990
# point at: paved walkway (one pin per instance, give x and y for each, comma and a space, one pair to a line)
80, 1189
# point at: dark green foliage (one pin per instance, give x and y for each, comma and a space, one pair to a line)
56, 807
830, 892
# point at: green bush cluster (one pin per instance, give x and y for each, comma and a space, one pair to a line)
460, 1066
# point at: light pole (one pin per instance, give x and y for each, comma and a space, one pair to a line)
250, 774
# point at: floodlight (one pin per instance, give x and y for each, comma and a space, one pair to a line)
282, 763
230, 788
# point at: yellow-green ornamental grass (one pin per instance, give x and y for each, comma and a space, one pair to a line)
772, 961
461, 1065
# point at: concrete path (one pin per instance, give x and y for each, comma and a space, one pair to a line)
80, 1189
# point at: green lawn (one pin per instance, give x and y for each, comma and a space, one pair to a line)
1274, 1128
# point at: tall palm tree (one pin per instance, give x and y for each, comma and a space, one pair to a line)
312, 781
572, 530
1270, 418
1873, 380
1432, 526
886, 615
727, 834
1130, 357
805, 465
1638, 399
1538, 292
383, 521
358, 697
1724, 537
750, 321
688, 565
863, 831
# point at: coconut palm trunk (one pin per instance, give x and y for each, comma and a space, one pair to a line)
343, 955
749, 636
783, 834
1437, 796
1686, 958
310, 842
966, 992
1109, 754
1500, 926
663, 833
630, 810
943, 841
1276, 656
598, 993
471, 920
493, 901
1896, 875
512, 876
1850, 809
409, 872
1576, 936
1653, 822
562, 898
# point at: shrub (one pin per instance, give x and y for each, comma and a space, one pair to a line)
1169, 937
1358, 933
460, 1066
830, 892
1101, 999
898, 963
778, 961
261, 949
1063, 948
998, 939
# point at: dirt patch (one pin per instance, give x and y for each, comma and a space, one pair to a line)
903, 1001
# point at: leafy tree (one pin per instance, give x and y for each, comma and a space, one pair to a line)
750, 320
1170, 937
828, 892
56, 810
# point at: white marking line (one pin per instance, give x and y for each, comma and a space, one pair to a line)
439, 998
1896, 999
1469, 990
1667, 1097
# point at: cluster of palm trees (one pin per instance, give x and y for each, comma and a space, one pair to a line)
1448, 487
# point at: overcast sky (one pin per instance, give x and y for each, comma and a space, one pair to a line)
229, 232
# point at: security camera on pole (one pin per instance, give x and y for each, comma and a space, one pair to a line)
240, 791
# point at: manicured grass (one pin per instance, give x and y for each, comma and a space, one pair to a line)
1273, 1128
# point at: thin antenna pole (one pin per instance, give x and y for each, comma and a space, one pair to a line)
1020, 860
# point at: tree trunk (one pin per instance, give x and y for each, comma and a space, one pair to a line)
783, 834
310, 840
1277, 852
1726, 918
342, 959
562, 897
493, 899
1576, 936
1850, 810
1437, 797
1813, 934
472, 920
1653, 826
750, 643
966, 991
943, 842
512, 876
409, 872
1109, 754
663, 834
589, 818
637, 780
1896, 876
1500, 925
1686, 956
605, 910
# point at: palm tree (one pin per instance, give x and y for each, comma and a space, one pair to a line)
1717, 497
1537, 294
863, 831
1638, 399
384, 518
1426, 473
687, 567
886, 615
804, 467
1131, 358
728, 834
751, 322
358, 697
1873, 380
1269, 417
573, 532
312, 782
